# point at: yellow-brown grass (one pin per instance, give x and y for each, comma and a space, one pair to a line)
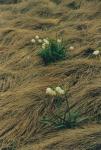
24, 78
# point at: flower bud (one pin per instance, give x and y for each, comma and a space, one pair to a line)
71, 48
97, 52
60, 91
50, 91
37, 37
33, 40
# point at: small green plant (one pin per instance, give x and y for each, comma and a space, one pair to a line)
57, 1
52, 51
74, 5
98, 118
12, 146
57, 116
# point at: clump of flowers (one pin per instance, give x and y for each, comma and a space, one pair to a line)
50, 91
59, 90
36, 40
53, 92
56, 116
46, 41
52, 51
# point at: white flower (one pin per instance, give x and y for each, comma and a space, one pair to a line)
39, 40
44, 45
37, 37
33, 40
46, 41
59, 40
51, 92
97, 52
48, 90
59, 90
71, 48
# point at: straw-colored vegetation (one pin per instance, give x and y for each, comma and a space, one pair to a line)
24, 77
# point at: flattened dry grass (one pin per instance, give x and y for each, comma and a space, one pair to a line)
24, 78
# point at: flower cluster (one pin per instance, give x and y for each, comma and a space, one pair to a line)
36, 39
57, 91
44, 41
50, 91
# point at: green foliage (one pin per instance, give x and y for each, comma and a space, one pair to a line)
58, 117
53, 52
58, 102
99, 48
58, 121
12, 146
74, 5
72, 121
56, 1
98, 118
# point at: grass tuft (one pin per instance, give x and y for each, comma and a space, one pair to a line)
52, 52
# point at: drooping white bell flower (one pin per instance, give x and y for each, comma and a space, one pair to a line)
46, 41
33, 40
97, 52
37, 37
53, 93
71, 48
40, 40
59, 90
44, 45
59, 40
50, 91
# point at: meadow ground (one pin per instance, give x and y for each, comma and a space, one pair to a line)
24, 77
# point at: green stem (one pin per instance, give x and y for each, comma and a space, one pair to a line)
67, 110
57, 117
